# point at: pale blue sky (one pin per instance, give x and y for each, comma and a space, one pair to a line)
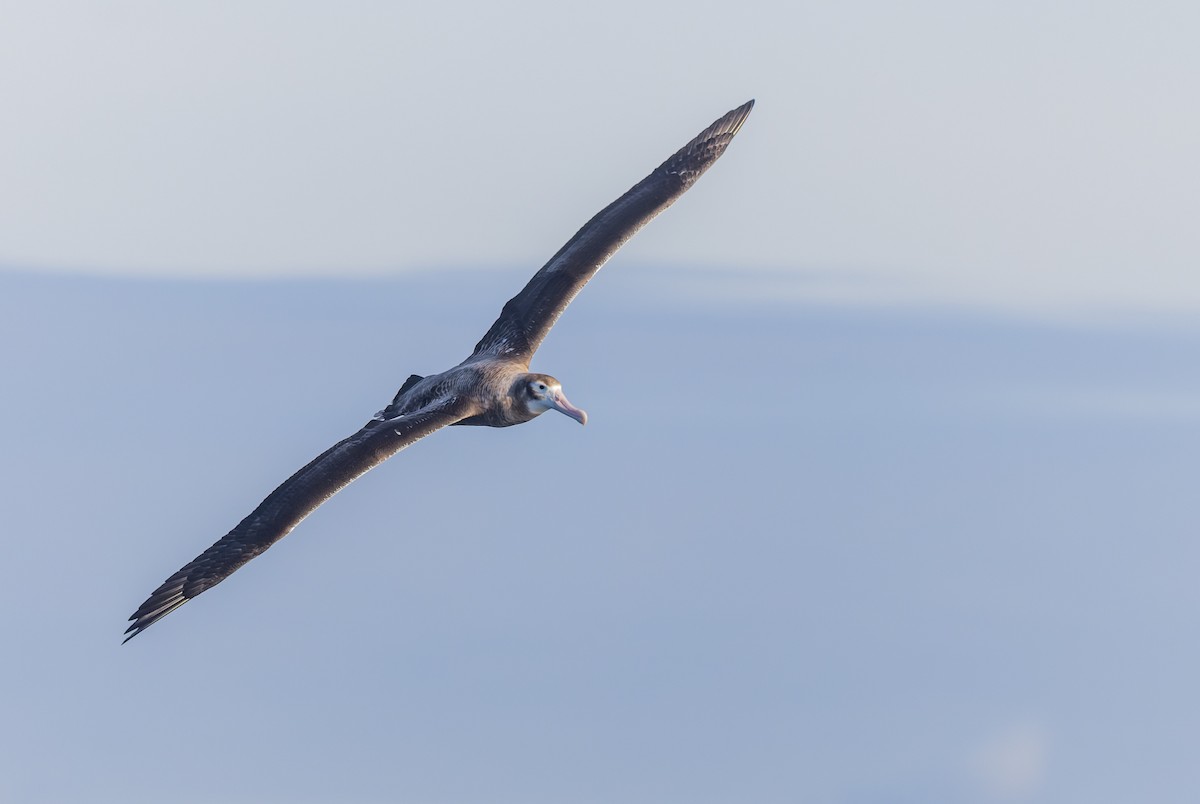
1025, 154
886, 494
874, 556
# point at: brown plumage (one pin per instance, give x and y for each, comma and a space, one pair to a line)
493, 387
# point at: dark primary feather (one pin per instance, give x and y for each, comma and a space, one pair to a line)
295, 499
528, 316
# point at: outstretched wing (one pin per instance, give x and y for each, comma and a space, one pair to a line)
529, 315
295, 499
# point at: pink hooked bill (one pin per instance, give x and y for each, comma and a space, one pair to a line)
562, 405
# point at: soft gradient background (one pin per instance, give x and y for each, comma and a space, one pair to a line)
887, 491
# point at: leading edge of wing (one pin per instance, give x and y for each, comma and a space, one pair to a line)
528, 316
291, 502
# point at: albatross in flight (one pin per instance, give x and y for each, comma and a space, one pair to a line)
493, 387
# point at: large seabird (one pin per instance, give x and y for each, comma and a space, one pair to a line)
493, 387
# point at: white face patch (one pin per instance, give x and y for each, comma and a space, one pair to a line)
541, 393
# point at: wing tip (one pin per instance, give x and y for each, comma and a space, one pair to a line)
736, 117
727, 124
706, 147
165, 600
143, 621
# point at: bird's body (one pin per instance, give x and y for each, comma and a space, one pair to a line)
493, 387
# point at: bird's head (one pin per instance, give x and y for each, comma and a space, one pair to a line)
541, 393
